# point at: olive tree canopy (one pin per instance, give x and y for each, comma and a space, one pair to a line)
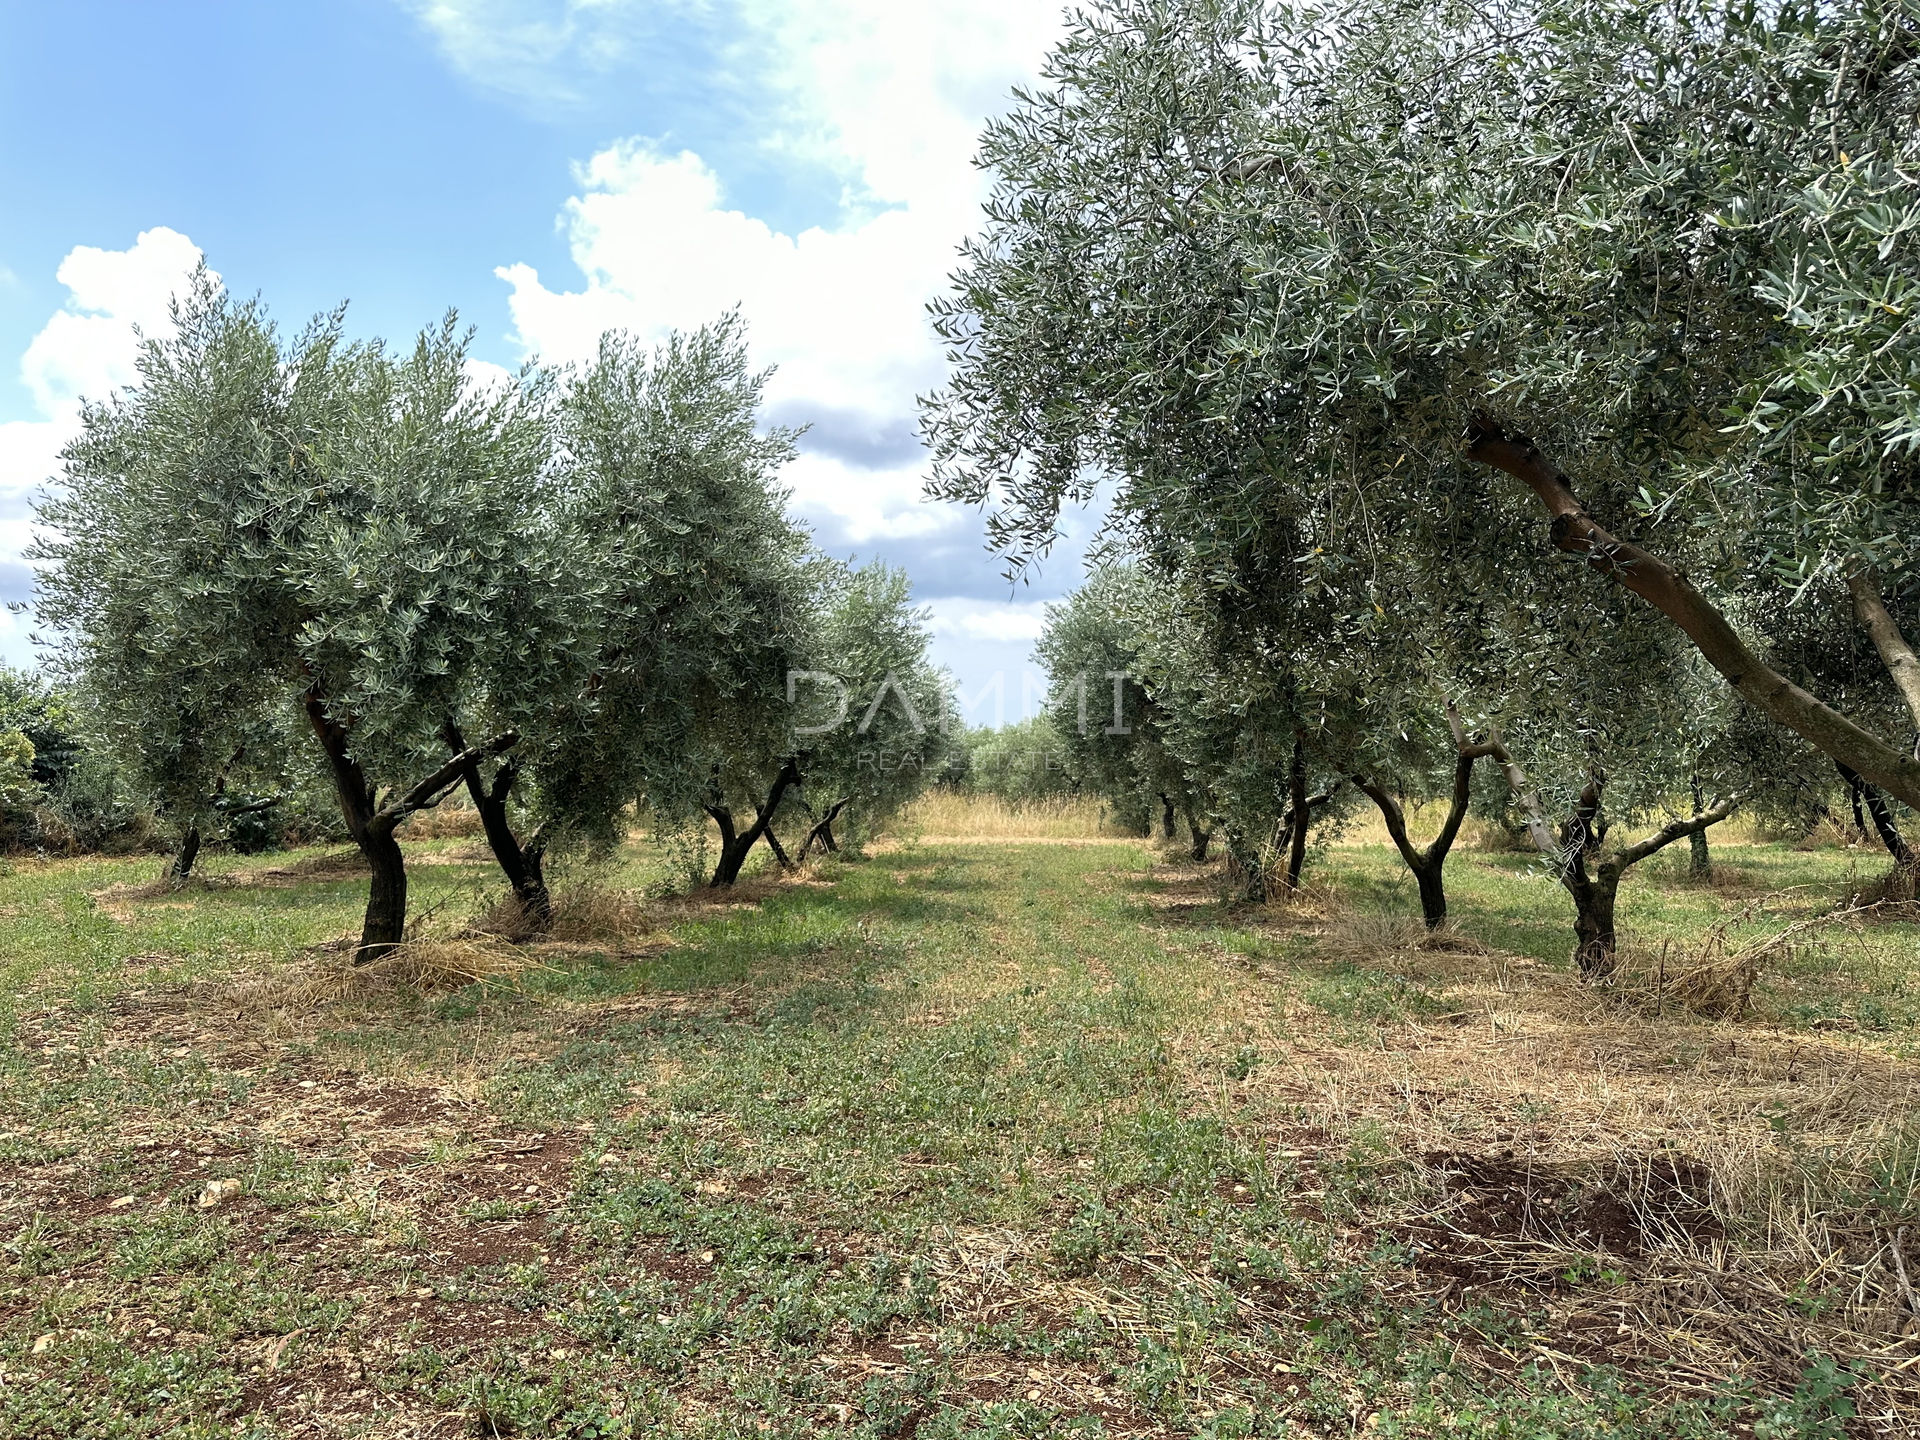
666, 598
1296, 272
324, 527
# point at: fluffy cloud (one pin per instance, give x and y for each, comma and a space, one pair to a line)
89, 348
540, 51
86, 350
882, 103
1011, 622
891, 97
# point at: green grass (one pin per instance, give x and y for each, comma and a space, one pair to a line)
965, 1141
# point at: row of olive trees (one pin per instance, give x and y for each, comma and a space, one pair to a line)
1299, 279
569, 593
1215, 750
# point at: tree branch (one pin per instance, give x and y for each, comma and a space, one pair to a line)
1672, 831
253, 808
1878, 622
432, 790
1538, 830
1668, 591
1883, 822
1395, 818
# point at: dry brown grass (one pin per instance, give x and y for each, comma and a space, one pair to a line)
946, 815
1388, 940
1678, 1189
331, 862
1711, 977
329, 978
446, 821
584, 913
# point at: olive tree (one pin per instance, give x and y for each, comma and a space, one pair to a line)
1607, 723
881, 713
1111, 726
663, 596
312, 524
1272, 266
1023, 762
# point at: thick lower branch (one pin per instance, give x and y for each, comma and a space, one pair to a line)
1883, 822
734, 848
1668, 591
521, 864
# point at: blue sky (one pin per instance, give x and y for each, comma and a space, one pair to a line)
550, 168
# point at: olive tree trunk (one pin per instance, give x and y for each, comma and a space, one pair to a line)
1429, 865
822, 832
1700, 858
524, 865
372, 823
736, 843
1594, 896
1297, 814
1292, 836
1596, 939
1200, 835
1883, 822
182, 866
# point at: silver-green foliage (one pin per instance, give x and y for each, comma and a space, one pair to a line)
1261, 263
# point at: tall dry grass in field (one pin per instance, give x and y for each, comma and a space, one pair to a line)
951, 815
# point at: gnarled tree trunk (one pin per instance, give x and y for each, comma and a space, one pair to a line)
189, 851
822, 831
524, 865
1200, 835
1883, 821
1593, 898
1700, 860
735, 843
1429, 865
1595, 937
372, 824
1596, 941
1297, 813
1294, 826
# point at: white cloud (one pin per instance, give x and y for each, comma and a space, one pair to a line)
29, 454
486, 375
534, 49
86, 350
891, 96
1007, 622
840, 312
89, 348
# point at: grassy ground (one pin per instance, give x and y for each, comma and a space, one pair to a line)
964, 1139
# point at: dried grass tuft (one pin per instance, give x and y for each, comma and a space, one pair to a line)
590, 913
1891, 896
446, 821
1712, 979
332, 862
1371, 939
582, 914
420, 967
1716, 989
